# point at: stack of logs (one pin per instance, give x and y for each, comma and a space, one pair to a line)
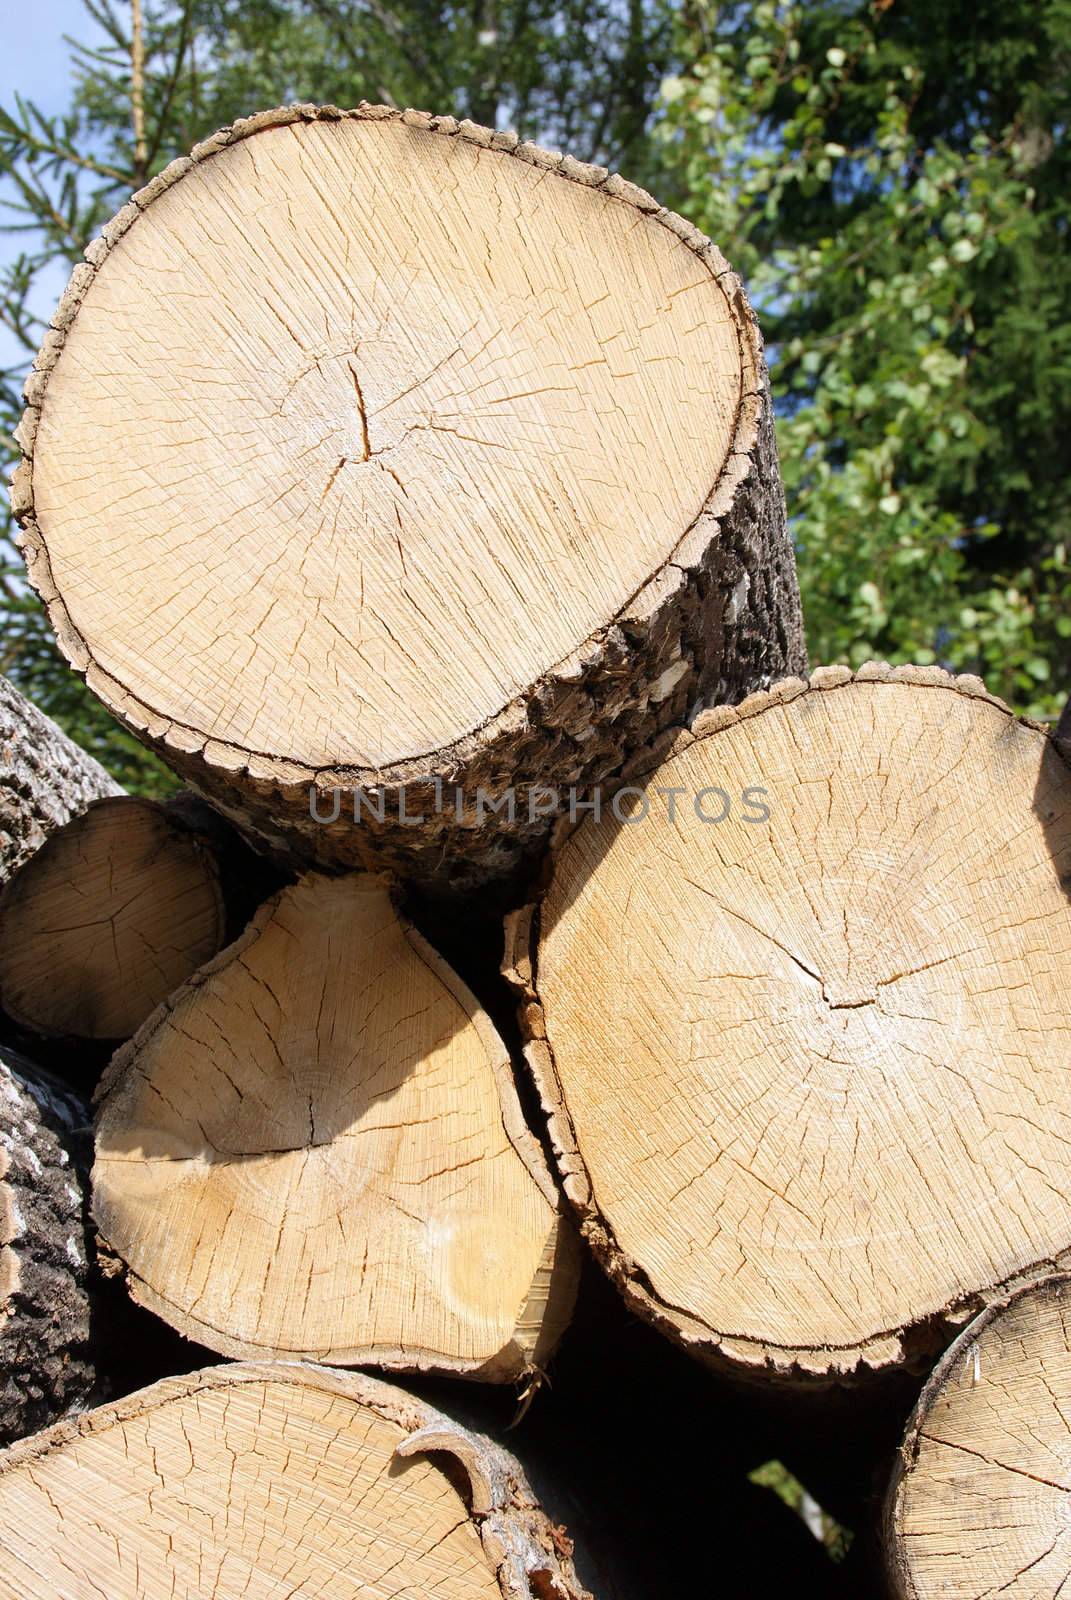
530, 911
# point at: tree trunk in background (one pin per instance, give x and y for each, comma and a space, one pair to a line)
494, 498
45, 779
44, 1302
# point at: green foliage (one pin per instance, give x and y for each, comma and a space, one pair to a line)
892, 181
773, 1475
891, 177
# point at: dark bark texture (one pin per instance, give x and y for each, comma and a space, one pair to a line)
45, 1368
45, 779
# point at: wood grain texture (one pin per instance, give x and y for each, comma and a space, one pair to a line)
117, 909
315, 1149
250, 1482
365, 397
822, 1118
45, 1365
45, 779
978, 1505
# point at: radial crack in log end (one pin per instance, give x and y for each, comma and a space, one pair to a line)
823, 1117
117, 909
979, 1501
281, 1478
315, 1149
337, 480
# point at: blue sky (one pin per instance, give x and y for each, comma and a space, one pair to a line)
35, 62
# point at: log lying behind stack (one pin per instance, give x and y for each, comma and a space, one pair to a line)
116, 910
286, 1479
45, 779
45, 1365
315, 1148
823, 1110
332, 479
979, 1502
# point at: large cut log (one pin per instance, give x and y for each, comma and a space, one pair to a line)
44, 779
115, 911
45, 1366
978, 1504
831, 1027
273, 1480
315, 1148
382, 451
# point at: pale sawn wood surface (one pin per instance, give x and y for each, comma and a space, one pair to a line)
117, 909
979, 1503
369, 446
315, 1149
825, 1101
248, 1482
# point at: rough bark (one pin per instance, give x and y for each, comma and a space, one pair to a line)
822, 1036
118, 908
978, 1502
714, 614
274, 1478
45, 779
315, 1149
45, 1367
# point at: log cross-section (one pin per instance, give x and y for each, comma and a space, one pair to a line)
273, 1480
116, 910
979, 1500
805, 1049
315, 1148
367, 449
